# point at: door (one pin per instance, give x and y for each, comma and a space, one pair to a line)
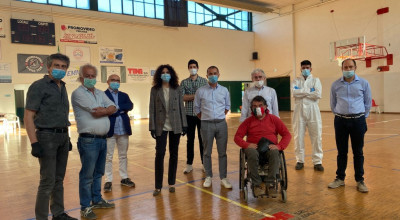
282, 88
19, 104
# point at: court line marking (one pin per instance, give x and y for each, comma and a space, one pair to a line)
213, 194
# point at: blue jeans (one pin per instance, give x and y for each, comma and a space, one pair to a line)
93, 153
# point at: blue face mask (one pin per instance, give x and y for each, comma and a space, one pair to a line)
166, 77
348, 74
213, 79
114, 85
58, 73
305, 72
89, 83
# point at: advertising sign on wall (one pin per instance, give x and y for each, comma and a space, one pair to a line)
111, 55
32, 63
138, 74
5, 73
78, 54
2, 31
78, 34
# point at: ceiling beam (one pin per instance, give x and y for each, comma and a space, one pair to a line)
238, 4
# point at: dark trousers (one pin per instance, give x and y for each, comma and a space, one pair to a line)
53, 163
161, 144
355, 128
193, 121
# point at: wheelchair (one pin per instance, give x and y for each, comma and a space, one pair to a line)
245, 180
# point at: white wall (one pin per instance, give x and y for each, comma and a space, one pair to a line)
146, 43
314, 28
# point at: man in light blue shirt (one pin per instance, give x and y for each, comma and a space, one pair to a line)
91, 109
350, 102
211, 104
120, 130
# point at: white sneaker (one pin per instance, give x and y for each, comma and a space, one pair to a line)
188, 169
225, 182
207, 182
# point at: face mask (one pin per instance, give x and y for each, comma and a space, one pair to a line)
193, 71
348, 74
213, 79
259, 111
166, 77
114, 85
58, 74
89, 83
305, 72
259, 84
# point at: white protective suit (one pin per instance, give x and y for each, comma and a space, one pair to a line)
307, 114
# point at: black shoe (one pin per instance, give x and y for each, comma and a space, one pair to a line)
107, 187
299, 166
103, 204
157, 192
127, 182
318, 167
172, 189
64, 216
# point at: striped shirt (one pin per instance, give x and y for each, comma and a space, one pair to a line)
189, 87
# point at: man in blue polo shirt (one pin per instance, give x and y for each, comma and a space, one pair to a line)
350, 102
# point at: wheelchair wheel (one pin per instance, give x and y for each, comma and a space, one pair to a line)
284, 195
283, 171
245, 193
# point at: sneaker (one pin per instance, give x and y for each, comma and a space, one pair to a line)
188, 169
318, 167
336, 183
272, 191
88, 213
207, 182
156, 192
103, 204
259, 190
127, 182
171, 189
299, 166
107, 187
362, 187
64, 216
225, 182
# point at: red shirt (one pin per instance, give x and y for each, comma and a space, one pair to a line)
269, 127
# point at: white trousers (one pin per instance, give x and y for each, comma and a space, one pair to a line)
315, 131
122, 142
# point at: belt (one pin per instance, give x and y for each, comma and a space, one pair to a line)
53, 130
350, 116
215, 120
87, 135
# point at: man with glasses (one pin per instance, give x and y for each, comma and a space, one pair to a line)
260, 89
120, 129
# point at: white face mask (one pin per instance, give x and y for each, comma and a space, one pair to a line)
193, 71
259, 84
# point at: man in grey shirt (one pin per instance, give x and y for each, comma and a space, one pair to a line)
46, 122
91, 108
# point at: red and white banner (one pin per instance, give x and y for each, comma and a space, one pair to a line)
138, 74
78, 34
78, 54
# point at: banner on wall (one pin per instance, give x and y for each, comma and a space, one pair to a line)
32, 63
72, 74
78, 54
111, 55
5, 73
138, 74
2, 31
78, 34
106, 71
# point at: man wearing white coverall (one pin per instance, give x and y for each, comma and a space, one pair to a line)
306, 91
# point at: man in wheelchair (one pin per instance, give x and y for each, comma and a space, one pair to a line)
262, 129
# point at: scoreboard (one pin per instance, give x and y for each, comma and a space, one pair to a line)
32, 32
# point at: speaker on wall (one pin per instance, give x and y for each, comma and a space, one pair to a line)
255, 55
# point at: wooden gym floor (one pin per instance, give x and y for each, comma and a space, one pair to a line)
308, 195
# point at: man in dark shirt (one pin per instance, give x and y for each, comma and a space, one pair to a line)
46, 122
